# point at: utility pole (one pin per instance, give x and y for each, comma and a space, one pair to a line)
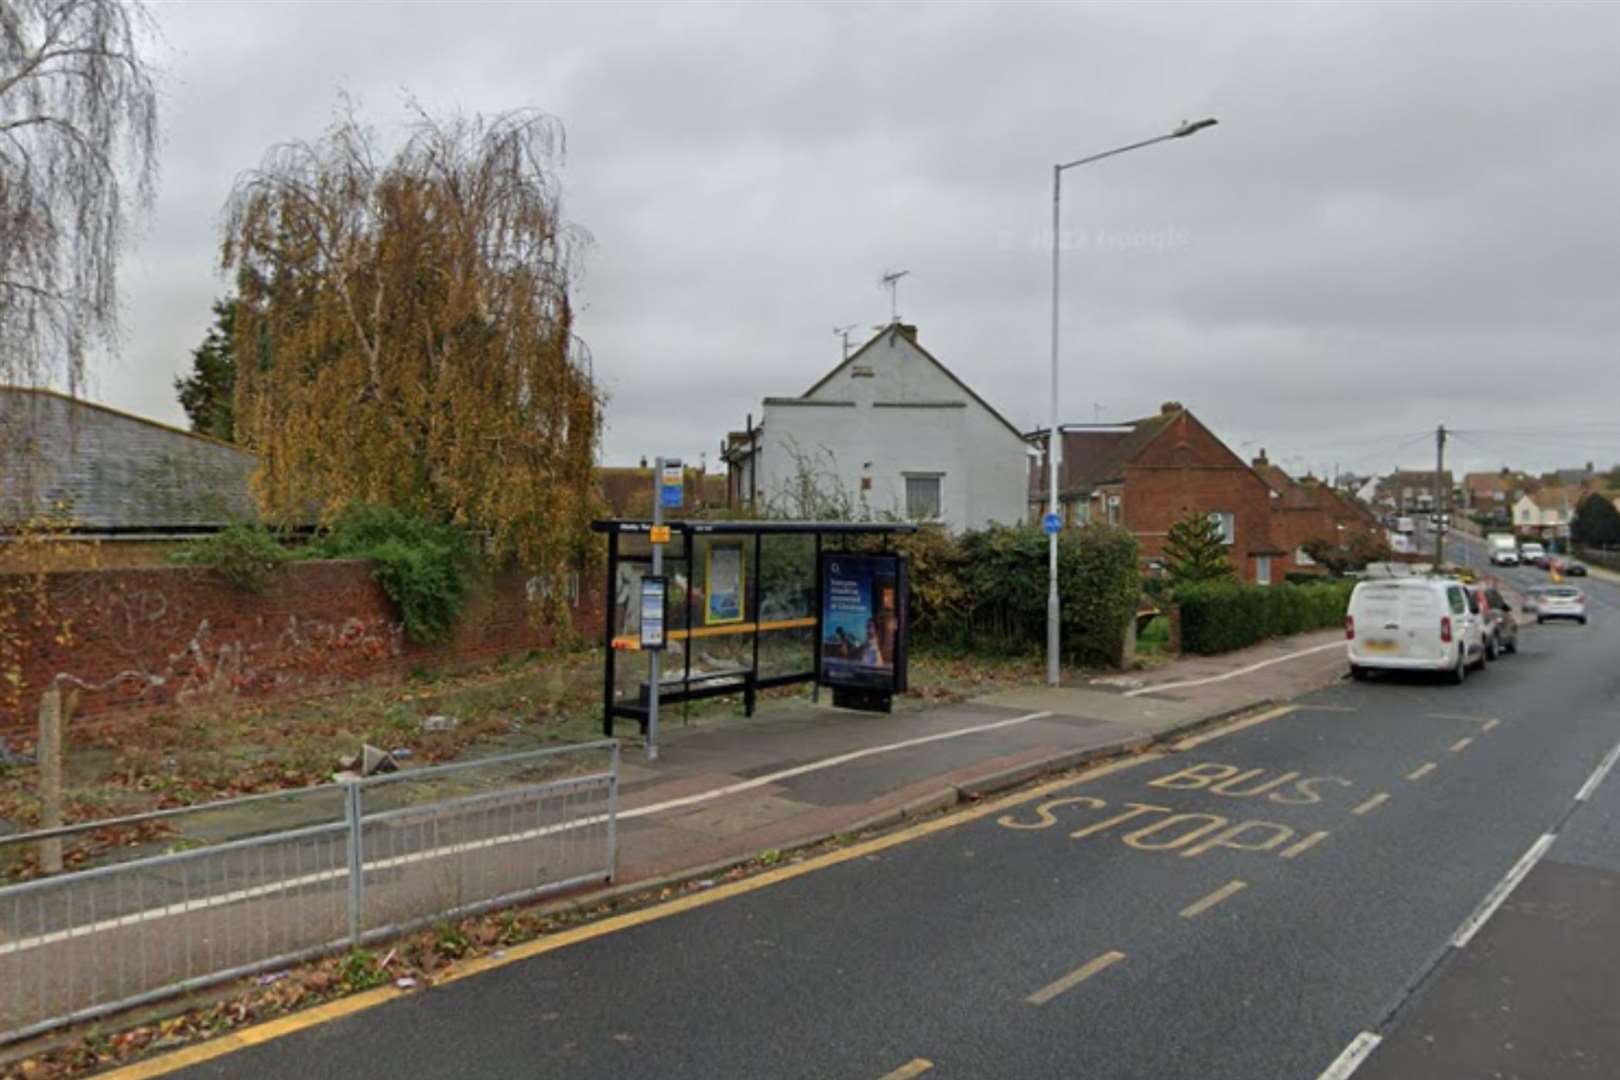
1440, 500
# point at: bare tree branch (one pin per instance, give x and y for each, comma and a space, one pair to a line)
78, 112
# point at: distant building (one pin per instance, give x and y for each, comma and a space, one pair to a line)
1412, 491
627, 491
1546, 513
111, 476
890, 431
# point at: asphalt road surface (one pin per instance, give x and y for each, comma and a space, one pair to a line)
1247, 908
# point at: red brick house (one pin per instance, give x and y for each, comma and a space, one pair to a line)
1307, 510
1147, 474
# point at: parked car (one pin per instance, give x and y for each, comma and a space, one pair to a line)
1574, 569
1414, 624
1559, 602
1532, 555
1501, 627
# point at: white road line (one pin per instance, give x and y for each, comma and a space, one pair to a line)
1139, 691
1354, 1054
282, 885
1493, 900
1597, 776
824, 763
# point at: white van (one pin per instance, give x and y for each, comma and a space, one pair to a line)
1414, 624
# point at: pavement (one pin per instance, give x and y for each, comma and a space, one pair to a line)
797, 772
1362, 883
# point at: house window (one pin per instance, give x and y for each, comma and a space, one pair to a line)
922, 496
1228, 526
1262, 569
1113, 509
1303, 557
1082, 512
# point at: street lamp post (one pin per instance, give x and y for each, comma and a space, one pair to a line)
1054, 443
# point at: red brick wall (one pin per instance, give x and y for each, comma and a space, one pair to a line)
147, 638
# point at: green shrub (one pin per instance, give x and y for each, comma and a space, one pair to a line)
424, 566
246, 555
1218, 617
1004, 572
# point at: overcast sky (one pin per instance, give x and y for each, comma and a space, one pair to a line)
1408, 215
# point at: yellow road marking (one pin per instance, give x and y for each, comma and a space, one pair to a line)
272, 1029
1461, 744
1327, 708
258, 1033
1421, 771
188, 1056
1489, 724
1248, 722
1229, 889
1371, 804
914, 1067
1304, 845
1075, 977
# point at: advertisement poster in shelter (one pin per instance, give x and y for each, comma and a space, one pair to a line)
723, 578
863, 622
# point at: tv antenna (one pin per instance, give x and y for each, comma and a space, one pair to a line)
891, 281
843, 332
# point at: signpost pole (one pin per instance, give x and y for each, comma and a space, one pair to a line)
658, 572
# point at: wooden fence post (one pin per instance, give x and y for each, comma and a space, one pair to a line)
48, 753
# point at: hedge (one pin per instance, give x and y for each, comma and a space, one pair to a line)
1003, 573
1217, 617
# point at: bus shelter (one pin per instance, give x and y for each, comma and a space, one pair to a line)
746, 611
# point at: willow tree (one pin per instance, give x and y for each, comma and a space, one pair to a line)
404, 333
78, 158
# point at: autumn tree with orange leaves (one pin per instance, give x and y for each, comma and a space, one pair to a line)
404, 334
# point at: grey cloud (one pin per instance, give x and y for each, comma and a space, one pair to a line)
1406, 217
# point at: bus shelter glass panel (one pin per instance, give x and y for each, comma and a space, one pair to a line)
787, 597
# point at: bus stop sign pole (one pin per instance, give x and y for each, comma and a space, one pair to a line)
665, 494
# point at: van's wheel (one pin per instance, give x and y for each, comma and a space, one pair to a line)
1512, 646
1493, 647
1459, 674
1358, 673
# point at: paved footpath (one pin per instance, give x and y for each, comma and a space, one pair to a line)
799, 772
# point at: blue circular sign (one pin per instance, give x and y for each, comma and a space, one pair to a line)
1052, 524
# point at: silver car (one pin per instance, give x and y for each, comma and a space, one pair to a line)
1559, 602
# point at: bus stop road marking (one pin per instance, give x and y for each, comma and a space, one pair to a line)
1075, 977
1371, 804
913, 1068
1197, 908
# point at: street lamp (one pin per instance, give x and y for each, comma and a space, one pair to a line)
1054, 443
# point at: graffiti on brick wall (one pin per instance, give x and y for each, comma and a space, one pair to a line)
149, 638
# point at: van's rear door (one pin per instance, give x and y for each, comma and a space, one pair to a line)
1399, 619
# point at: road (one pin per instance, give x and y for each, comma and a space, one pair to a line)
1247, 907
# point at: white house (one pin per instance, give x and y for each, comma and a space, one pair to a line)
888, 431
1546, 513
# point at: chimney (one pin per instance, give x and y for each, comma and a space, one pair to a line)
1261, 462
908, 331
1169, 407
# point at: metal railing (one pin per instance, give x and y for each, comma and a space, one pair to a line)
381, 855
